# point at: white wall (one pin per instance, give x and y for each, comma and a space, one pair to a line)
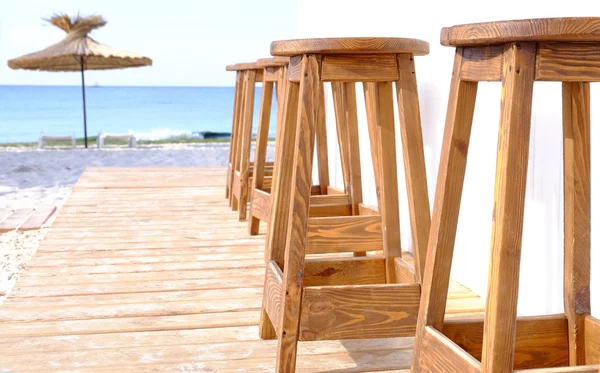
541, 271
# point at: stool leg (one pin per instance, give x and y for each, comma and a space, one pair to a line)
246, 143
451, 174
236, 139
321, 135
339, 105
509, 203
344, 95
414, 159
297, 232
576, 144
233, 125
260, 155
281, 193
380, 116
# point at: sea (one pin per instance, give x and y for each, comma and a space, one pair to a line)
151, 113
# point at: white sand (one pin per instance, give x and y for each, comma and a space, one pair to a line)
31, 177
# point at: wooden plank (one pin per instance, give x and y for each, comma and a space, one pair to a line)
367, 210
344, 271
260, 154
340, 103
329, 199
246, 143
321, 211
405, 273
592, 340
273, 292
294, 69
261, 206
297, 233
482, 63
15, 220
509, 204
321, 136
541, 341
577, 214
353, 147
440, 354
359, 311
359, 68
332, 190
38, 218
586, 369
451, 174
343, 234
568, 62
414, 160
388, 177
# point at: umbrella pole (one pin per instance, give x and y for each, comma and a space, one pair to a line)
83, 94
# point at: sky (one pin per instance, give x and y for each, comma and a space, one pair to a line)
190, 42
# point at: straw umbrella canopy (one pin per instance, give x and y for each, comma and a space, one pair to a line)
78, 52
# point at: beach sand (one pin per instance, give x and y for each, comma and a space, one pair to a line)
31, 177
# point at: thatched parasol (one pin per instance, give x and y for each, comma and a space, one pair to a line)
78, 52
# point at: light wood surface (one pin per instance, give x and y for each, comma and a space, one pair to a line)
540, 29
106, 299
349, 46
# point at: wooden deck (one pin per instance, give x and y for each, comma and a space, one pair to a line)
148, 270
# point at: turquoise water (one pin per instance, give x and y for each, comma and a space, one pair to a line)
149, 112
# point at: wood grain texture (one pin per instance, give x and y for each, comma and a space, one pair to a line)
414, 159
577, 213
359, 311
261, 207
353, 147
353, 68
297, 229
327, 199
321, 135
440, 354
232, 144
405, 273
281, 196
272, 62
38, 218
15, 219
260, 152
246, 143
211, 242
380, 116
272, 291
334, 190
541, 341
482, 63
349, 46
340, 103
344, 271
367, 210
509, 204
294, 69
568, 62
585, 369
592, 340
322, 211
344, 234
540, 29
451, 174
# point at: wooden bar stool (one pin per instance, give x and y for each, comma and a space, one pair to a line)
341, 297
274, 73
326, 200
239, 170
517, 53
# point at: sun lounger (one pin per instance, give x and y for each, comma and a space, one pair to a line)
44, 139
131, 140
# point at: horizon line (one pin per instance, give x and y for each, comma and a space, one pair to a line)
116, 86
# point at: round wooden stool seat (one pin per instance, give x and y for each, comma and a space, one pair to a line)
540, 29
349, 46
243, 66
273, 62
